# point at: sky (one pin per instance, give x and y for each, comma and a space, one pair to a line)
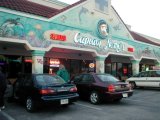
142, 15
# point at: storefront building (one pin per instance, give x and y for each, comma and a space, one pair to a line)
88, 36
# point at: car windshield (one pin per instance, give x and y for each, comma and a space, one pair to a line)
107, 78
46, 80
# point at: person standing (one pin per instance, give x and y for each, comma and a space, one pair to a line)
3, 86
63, 73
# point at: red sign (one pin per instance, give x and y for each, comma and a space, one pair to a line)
28, 60
54, 62
125, 70
130, 49
54, 36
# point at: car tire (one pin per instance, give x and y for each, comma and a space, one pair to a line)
94, 97
133, 85
30, 104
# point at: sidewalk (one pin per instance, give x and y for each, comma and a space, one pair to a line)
5, 116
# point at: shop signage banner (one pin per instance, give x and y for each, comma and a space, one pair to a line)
110, 44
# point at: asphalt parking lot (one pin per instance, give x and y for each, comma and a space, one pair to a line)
143, 105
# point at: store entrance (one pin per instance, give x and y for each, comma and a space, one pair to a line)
146, 64
73, 66
119, 67
12, 65
75, 61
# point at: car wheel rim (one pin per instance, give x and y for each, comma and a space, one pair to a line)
29, 104
94, 98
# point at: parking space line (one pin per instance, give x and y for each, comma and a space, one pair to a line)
7, 116
95, 108
151, 103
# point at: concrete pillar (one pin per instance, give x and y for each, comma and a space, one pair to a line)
135, 66
37, 61
100, 64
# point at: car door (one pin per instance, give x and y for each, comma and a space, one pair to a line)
153, 79
76, 80
141, 80
85, 85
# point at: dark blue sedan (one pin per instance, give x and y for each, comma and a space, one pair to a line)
35, 89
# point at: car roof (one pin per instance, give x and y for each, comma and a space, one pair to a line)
34, 74
149, 71
92, 73
153, 70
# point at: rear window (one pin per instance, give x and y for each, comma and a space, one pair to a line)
107, 78
45, 80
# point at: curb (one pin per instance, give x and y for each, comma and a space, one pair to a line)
7, 116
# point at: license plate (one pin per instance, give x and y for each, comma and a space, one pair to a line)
62, 90
64, 101
125, 95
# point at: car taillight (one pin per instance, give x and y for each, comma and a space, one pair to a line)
46, 91
73, 89
111, 88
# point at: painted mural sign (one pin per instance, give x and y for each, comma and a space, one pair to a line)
103, 29
40, 34
102, 5
12, 27
79, 38
111, 44
15, 28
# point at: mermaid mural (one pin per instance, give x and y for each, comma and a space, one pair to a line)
12, 28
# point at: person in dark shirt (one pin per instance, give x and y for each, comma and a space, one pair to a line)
3, 86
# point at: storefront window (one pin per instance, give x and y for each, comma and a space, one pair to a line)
145, 67
125, 69
46, 67
108, 68
73, 66
129, 70
114, 69
85, 66
119, 68
28, 67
